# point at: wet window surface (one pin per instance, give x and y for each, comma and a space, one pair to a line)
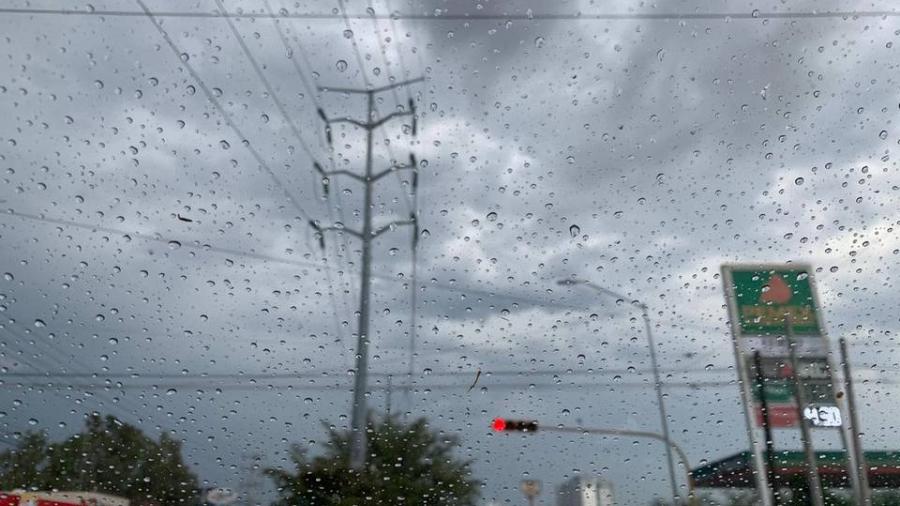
452, 253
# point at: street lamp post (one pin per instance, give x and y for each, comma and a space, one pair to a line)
663, 418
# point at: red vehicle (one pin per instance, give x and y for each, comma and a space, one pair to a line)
23, 498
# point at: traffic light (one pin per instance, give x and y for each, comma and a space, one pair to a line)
504, 425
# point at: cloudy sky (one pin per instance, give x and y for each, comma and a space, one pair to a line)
157, 263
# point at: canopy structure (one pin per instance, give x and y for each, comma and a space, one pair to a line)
736, 471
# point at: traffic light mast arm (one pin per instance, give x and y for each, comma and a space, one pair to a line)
636, 433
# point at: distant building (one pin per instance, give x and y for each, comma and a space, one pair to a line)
585, 491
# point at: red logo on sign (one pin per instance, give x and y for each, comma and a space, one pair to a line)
777, 291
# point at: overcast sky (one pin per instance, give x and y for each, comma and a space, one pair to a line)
141, 235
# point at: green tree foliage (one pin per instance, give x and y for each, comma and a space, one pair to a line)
108, 456
406, 464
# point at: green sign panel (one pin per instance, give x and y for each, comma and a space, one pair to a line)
765, 298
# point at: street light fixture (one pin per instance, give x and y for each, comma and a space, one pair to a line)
663, 418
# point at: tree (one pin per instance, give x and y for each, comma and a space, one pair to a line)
109, 456
405, 464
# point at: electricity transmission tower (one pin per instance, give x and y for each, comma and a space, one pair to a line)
366, 236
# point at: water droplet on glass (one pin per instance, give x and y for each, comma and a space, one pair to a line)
341, 65
799, 181
8, 276
98, 84
539, 42
492, 216
348, 34
574, 230
99, 318
171, 391
174, 244
882, 134
39, 323
224, 144
69, 120
661, 54
570, 159
33, 421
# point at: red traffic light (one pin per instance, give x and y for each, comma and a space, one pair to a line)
504, 425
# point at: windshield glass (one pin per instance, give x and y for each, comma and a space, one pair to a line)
384, 252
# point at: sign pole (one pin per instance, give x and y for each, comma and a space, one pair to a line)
767, 428
812, 471
759, 467
862, 470
849, 441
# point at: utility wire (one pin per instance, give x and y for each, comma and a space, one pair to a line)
563, 16
312, 94
368, 83
226, 117
296, 131
262, 77
409, 205
384, 374
397, 41
452, 287
62, 360
461, 387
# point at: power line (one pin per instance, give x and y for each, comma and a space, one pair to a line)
462, 387
368, 83
296, 131
563, 16
452, 287
227, 118
55, 355
384, 374
262, 77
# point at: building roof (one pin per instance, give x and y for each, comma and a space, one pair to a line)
736, 471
